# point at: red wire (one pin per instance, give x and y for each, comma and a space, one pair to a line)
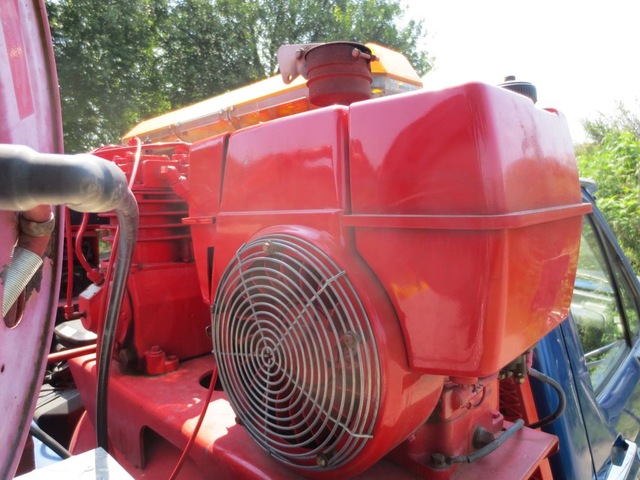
78, 245
68, 308
92, 273
187, 448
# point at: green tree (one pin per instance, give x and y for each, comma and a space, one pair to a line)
212, 47
207, 48
122, 61
107, 66
623, 119
613, 160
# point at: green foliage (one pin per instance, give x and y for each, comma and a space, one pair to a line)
121, 61
622, 120
107, 67
613, 161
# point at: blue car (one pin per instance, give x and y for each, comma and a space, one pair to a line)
594, 356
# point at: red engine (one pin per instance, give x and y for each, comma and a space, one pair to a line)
366, 274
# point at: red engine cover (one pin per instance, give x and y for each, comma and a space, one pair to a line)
467, 206
473, 233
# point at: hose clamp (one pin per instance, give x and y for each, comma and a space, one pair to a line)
37, 229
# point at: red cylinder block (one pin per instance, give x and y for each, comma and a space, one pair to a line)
166, 310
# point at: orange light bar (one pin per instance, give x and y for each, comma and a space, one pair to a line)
264, 101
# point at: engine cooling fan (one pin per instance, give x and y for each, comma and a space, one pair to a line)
296, 353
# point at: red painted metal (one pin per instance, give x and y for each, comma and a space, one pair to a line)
30, 103
29, 115
163, 307
458, 261
338, 73
438, 239
205, 180
157, 362
516, 401
151, 428
458, 197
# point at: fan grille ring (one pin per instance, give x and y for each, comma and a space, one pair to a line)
296, 353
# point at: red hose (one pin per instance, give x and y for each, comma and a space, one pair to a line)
68, 308
93, 274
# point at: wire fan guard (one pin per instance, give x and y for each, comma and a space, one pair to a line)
296, 353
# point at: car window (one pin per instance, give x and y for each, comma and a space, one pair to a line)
599, 308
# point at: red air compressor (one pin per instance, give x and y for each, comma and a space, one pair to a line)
368, 276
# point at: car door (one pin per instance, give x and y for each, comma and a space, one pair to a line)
603, 336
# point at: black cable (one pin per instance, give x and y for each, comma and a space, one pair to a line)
85, 183
487, 449
49, 441
562, 399
127, 232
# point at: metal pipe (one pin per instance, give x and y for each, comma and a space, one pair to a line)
70, 353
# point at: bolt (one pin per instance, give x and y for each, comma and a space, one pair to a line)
481, 437
357, 53
438, 460
268, 248
322, 460
127, 358
349, 340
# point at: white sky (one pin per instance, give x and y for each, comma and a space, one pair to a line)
583, 56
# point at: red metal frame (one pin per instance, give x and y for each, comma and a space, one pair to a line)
150, 429
29, 115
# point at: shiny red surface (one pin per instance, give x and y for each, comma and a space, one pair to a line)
205, 184
467, 207
469, 150
163, 306
156, 416
29, 115
457, 224
152, 427
290, 176
291, 171
29, 98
